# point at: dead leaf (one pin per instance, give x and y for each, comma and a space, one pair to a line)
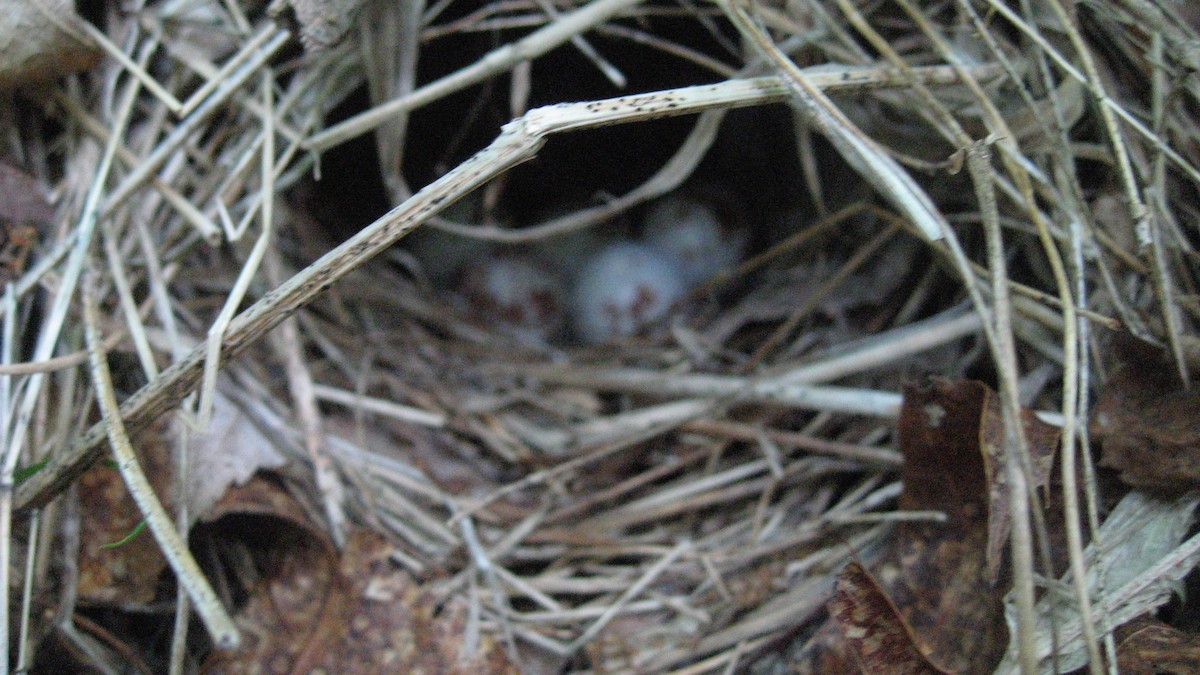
1125, 577
318, 610
228, 453
1042, 440
41, 40
1151, 647
943, 470
936, 574
877, 635
1147, 425
295, 608
395, 625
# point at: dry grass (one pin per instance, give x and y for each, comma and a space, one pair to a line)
677, 502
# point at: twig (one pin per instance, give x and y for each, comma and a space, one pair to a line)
858, 149
51, 327
497, 61
7, 467
633, 591
137, 70
220, 626
304, 402
248, 49
404, 413
189, 124
233, 300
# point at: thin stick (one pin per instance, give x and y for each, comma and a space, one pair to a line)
304, 402
863, 154
51, 327
7, 467
633, 591
244, 54
250, 268
404, 413
189, 124
134, 69
220, 626
133, 319
1107, 105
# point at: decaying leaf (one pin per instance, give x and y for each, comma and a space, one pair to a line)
935, 573
1150, 647
294, 609
1042, 442
41, 40
318, 610
393, 624
228, 453
1147, 425
877, 635
22, 198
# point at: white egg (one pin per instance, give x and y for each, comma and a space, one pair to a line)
518, 295
626, 287
693, 235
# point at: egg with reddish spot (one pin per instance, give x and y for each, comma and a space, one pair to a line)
518, 295
626, 287
692, 233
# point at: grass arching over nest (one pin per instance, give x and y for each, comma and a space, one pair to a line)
964, 190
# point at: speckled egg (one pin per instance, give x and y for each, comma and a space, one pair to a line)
517, 294
692, 234
624, 288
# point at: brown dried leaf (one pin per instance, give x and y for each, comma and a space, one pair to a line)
1042, 442
935, 574
939, 437
128, 573
377, 634
353, 612
1151, 647
41, 40
1147, 425
878, 637
229, 453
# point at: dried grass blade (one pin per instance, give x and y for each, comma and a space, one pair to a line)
497, 61
859, 150
219, 624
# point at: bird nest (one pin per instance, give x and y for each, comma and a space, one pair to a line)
272, 228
